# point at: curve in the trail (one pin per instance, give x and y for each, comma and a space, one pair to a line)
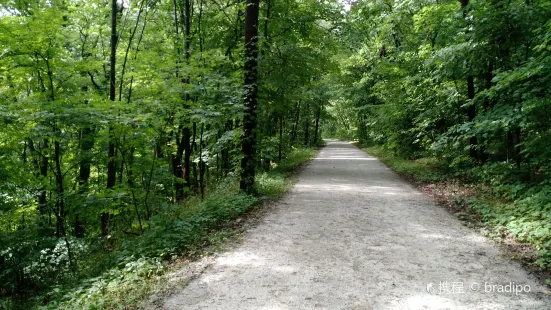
352, 235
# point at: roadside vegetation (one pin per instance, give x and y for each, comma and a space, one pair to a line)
133, 269
512, 219
137, 133
455, 94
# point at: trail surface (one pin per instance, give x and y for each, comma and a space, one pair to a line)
352, 235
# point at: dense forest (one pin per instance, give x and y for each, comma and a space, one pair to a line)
118, 118
131, 130
457, 90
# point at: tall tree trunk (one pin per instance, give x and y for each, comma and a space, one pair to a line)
111, 155
307, 126
187, 30
194, 177
86, 144
202, 164
295, 125
471, 114
111, 165
471, 110
513, 145
178, 169
60, 201
42, 202
518, 155
187, 131
248, 163
226, 152
280, 147
487, 104
182, 171
318, 114
186, 140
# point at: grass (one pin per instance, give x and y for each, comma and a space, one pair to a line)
142, 267
521, 224
423, 170
274, 184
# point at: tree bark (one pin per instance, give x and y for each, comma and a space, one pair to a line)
111, 164
248, 147
86, 144
295, 125
226, 152
42, 202
182, 171
60, 201
307, 126
111, 155
186, 140
280, 147
471, 114
318, 114
471, 110
202, 165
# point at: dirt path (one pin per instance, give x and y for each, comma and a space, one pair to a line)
353, 235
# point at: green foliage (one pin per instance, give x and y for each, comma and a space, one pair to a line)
176, 127
423, 170
183, 229
463, 86
521, 210
295, 157
125, 275
115, 289
134, 267
274, 184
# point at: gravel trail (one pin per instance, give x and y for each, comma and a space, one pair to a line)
351, 234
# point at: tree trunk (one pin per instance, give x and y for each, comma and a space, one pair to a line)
280, 138
295, 125
195, 177
42, 202
487, 104
60, 201
307, 126
111, 165
318, 114
248, 163
186, 140
518, 155
202, 164
226, 152
471, 114
187, 131
182, 171
471, 110
177, 168
186, 136
111, 155
86, 144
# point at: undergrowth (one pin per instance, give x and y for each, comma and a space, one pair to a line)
504, 206
275, 183
132, 268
